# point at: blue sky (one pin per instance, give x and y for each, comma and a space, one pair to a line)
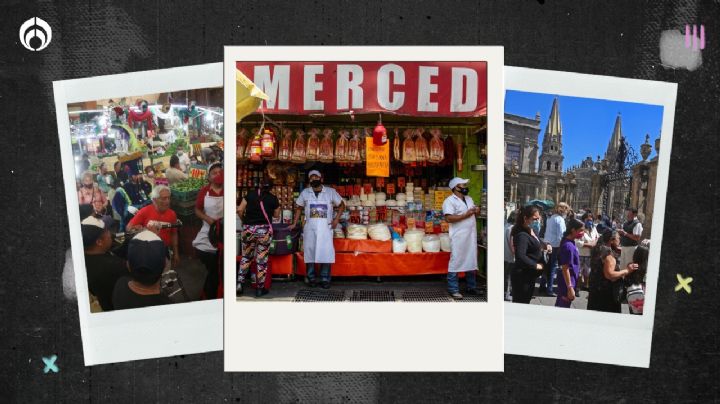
588, 123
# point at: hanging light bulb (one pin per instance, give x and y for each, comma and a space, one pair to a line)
379, 133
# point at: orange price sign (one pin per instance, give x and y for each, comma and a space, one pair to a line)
377, 159
391, 189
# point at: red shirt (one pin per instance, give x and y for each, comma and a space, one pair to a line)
148, 213
200, 201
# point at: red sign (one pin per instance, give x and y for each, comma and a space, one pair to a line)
401, 182
391, 189
446, 89
380, 182
367, 188
356, 189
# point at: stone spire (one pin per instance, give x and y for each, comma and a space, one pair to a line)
551, 159
554, 127
615, 140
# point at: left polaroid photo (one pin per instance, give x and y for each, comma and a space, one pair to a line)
142, 159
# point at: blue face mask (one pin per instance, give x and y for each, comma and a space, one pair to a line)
589, 224
535, 225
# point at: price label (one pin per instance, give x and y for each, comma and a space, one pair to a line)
391, 189
367, 188
380, 182
340, 190
356, 189
401, 182
423, 183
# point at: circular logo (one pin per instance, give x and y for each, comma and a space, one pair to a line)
35, 34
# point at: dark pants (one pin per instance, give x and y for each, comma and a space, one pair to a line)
212, 281
523, 284
324, 272
550, 272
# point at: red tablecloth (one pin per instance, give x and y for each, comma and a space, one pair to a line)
384, 264
368, 246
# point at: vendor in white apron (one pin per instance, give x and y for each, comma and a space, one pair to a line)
209, 208
460, 211
318, 202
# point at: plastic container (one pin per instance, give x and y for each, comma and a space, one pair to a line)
445, 244
399, 246
414, 240
431, 243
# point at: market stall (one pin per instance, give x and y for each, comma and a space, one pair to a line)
388, 146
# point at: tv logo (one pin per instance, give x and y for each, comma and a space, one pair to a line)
695, 40
35, 34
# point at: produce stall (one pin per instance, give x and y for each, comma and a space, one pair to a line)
390, 161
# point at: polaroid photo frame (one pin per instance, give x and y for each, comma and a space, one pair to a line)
169, 330
392, 336
583, 335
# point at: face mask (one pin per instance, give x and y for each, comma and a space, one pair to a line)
464, 191
589, 224
88, 186
535, 225
218, 179
580, 235
151, 174
315, 183
108, 179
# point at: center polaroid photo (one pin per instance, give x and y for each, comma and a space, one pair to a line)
361, 202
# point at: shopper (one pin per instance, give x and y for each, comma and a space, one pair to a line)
90, 194
106, 180
585, 245
569, 261
509, 255
147, 256
553, 236
183, 159
154, 216
630, 236
134, 193
460, 212
604, 273
528, 254
174, 173
636, 280
102, 267
209, 208
318, 201
256, 234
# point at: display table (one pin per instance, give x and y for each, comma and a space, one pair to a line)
278, 264
384, 264
367, 246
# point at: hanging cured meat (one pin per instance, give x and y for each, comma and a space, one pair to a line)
459, 156
408, 147
341, 146
326, 147
353, 153
449, 152
436, 146
396, 145
285, 151
298, 152
313, 145
367, 132
421, 147
242, 139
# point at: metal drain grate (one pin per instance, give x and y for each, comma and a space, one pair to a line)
313, 295
474, 298
372, 296
425, 296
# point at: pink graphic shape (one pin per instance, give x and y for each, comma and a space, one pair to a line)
702, 37
697, 42
687, 35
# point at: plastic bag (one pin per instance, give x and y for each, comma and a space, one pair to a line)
414, 240
396, 145
431, 243
285, 150
298, 152
326, 147
357, 232
445, 244
367, 132
437, 152
353, 152
399, 245
421, 147
379, 232
313, 146
408, 147
341, 146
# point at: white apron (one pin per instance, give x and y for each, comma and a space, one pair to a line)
463, 239
213, 206
317, 235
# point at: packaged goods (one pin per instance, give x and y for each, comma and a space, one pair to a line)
408, 146
379, 232
445, 244
431, 243
357, 232
436, 147
341, 146
399, 246
312, 151
414, 240
298, 151
326, 147
285, 152
421, 147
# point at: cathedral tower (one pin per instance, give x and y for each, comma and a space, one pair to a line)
551, 159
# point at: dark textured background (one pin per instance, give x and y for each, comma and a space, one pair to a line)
618, 38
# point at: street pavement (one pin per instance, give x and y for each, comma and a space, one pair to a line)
578, 303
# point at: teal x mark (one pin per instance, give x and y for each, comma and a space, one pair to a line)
50, 364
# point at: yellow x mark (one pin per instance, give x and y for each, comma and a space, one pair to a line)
683, 283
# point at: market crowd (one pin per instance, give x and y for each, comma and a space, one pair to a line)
573, 253
130, 232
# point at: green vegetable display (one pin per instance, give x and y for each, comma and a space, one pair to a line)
190, 184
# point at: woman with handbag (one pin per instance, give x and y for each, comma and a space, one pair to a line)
607, 283
209, 208
529, 251
256, 236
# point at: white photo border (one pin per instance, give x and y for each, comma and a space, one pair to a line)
169, 330
582, 335
371, 336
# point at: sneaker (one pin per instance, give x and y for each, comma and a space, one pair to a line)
326, 285
261, 292
456, 296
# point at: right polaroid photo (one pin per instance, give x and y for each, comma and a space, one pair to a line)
586, 168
